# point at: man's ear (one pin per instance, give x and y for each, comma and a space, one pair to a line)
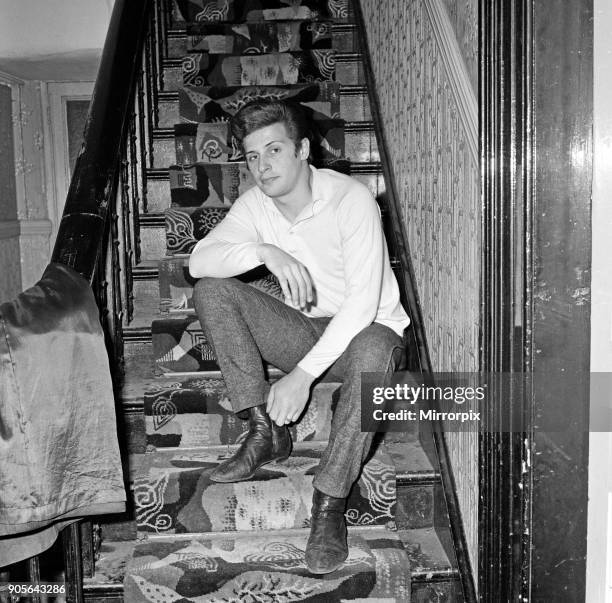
304, 151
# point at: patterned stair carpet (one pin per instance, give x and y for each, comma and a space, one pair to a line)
204, 541
174, 493
268, 568
239, 11
196, 411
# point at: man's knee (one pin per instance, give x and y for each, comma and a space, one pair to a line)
376, 349
210, 292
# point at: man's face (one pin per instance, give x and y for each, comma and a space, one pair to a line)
272, 158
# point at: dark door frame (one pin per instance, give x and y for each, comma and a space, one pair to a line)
536, 147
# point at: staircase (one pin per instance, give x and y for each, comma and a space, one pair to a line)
185, 537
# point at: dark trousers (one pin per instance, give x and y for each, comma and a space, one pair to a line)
245, 325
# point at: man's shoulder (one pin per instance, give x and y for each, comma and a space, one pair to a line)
337, 186
249, 200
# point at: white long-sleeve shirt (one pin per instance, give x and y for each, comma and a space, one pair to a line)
339, 238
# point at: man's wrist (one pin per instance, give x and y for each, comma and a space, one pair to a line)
304, 376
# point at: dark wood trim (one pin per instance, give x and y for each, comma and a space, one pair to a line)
81, 229
507, 170
71, 543
536, 119
33, 565
88, 553
417, 349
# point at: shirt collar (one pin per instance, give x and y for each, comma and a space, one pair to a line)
318, 189
318, 197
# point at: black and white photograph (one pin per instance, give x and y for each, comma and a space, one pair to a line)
306, 300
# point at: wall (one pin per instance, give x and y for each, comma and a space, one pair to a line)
429, 111
463, 15
10, 275
599, 537
67, 43
66, 48
24, 187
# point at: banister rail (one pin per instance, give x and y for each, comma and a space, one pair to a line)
99, 235
81, 230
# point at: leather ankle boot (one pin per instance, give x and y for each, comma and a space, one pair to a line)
265, 442
327, 548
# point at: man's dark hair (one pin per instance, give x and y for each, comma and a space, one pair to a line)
262, 113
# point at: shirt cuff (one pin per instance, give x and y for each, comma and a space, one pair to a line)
313, 368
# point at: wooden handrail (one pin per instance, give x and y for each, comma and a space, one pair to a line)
80, 233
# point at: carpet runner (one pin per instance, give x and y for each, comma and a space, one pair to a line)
176, 284
210, 104
265, 568
259, 70
259, 38
174, 493
200, 540
238, 11
196, 411
212, 142
208, 185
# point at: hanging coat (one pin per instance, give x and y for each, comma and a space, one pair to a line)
59, 453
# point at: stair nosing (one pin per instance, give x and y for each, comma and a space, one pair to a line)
345, 90
439, 575
167, 133
423, 478
157, 220
341, 57
116, 589
181, 32
145, 273
357, 167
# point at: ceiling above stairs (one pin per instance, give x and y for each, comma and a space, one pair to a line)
68, 42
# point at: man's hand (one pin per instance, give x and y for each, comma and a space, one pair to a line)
288, 396
293, 276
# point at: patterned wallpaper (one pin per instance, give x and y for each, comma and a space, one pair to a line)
23, 181
8, 195
10, 275
30, 163
463, 15
438, 182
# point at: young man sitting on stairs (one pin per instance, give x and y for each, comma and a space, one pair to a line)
319, 232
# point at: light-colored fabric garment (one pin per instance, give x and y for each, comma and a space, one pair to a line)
339, 238
59, 454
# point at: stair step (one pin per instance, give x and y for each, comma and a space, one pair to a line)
416, 485
212, 104
273, 567
168, 289
179, 345
357, 143
265, 37
176, 285
174, 493
341, 57
196, 411
433, 575
353, 104
349, 127
296, 67
348, 70
344, 39
172, 96
159, 193
237, 11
